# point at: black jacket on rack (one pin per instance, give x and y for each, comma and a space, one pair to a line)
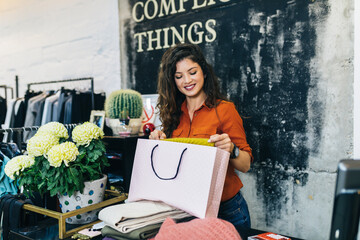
81, 105
2, 110
64, 106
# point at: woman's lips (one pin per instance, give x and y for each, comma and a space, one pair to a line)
190, 87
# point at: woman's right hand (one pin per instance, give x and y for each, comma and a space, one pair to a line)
157, 135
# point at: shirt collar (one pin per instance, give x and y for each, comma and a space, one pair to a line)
185, 109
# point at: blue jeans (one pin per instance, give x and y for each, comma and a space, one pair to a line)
235, 210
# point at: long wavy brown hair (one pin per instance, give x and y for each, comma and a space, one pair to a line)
170, 98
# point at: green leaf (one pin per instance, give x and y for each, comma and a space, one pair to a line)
74, 173
53, 192
57, 174
90, 155
69, 180
51, 185
81, 155
91, 146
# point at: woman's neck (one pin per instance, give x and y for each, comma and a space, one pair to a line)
195, 103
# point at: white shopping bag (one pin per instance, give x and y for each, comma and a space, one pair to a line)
186, 176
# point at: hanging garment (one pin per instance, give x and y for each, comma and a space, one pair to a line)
19, 113
28, 95
81, 105
67, 112
17, 120
2, 110
33, 110
10, 149
9, 117
48, 108
7, 185
66, 95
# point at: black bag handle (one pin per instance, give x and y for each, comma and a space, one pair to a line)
177, 169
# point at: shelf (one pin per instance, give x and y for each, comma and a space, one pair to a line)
63, 233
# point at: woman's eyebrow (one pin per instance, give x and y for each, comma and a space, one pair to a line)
187, 70
192, 68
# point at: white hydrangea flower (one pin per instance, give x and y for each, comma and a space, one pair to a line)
66, 152
54, 128
86, 132
40, 144
18, 164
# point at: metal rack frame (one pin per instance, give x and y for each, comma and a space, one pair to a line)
5, 87
63, 233
70, 80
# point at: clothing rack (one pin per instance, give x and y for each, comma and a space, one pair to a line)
71, 80
20, 131
17, 86
5, 87
33, 128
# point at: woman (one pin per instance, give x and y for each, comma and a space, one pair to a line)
191, 105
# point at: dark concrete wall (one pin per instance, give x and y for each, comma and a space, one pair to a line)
267, 55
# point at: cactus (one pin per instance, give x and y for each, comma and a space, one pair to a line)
198, 141
124, 103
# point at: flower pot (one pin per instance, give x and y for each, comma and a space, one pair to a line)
93, 193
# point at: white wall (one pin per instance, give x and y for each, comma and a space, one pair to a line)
53, 40
357, 82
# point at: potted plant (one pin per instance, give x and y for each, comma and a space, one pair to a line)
62, 167
124, 107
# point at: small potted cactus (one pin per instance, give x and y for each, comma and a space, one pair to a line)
124, 107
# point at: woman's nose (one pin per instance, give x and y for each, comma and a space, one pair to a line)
187, 78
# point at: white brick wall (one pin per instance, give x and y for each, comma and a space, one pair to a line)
53, 40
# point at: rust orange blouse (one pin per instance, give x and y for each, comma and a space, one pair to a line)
208, 121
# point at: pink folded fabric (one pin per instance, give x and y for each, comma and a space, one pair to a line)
197, 229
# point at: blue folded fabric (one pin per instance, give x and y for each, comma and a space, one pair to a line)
7, 185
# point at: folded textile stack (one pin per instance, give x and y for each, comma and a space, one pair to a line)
137, 220
141, 233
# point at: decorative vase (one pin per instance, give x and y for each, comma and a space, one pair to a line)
93, 193
135, 125
119, 128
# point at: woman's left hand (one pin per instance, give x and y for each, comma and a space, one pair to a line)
222, 141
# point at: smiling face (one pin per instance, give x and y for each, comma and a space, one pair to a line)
189, 78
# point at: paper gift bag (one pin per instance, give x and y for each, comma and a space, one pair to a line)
186, 176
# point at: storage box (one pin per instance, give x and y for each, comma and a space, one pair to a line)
268, 236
